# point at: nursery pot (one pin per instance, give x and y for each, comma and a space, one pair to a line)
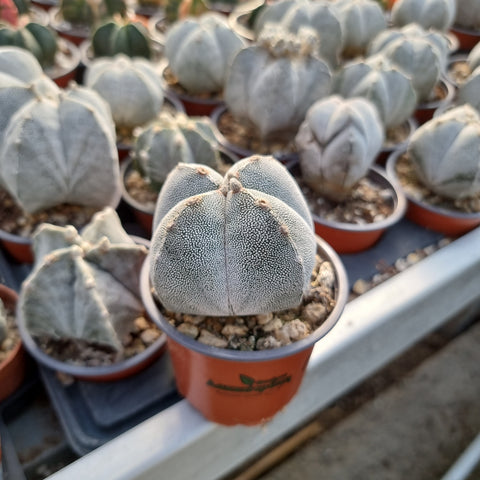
19, 248
233, 387
449, 222
425, 110
467, 38
67, 61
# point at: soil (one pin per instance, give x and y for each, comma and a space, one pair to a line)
12, 339
459, 71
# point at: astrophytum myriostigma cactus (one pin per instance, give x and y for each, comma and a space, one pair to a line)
83, 286
380, 81
172, 139
445, 152
468, 92
436, 14
199, 51
292, 15
130, 86
468, 14
272, 83
242, 244
61, 150
337, 143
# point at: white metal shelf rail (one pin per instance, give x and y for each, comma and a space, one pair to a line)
179, 443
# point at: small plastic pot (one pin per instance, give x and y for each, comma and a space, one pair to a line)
450, 223
13, 368
19, 248
353, 238
73, 33
233, 387
68, 61
467, 39
425, 111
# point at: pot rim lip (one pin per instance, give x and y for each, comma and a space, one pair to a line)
390, 166
8, 295
449, 95
342, 287
400, 206
74, 57
461, 29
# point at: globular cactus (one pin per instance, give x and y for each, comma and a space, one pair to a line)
468, 91
199, 51
378, 80
337, 143
8, 12
83, 287
238, 245
130, 38
420, 54
3, 322
292, 15
91, 12
468, 14
473, 57
61, 150
272, 83
172, 139
130, 86
444, 152
38, 39
361, 20
436, 14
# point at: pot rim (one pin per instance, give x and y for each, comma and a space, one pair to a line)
450, 91
74, 57
342, 291
10, 299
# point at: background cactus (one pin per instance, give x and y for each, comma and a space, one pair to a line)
272, 83
243, 246
199, 51
172, 139
91, 12
292, 15
130, 86
61, 150
3, 322
445, 150
437, 14
468, 14
378, 80
468, 91
337, 143
90, 279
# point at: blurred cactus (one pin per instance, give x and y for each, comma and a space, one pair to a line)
468, 14
445, 150
3, 322
468, 91
436, 14
239, 245
337, 143
91, 12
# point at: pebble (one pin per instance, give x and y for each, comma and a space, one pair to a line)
208, 338
188, 329
149, 336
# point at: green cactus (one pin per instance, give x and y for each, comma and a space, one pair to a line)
129, 38
130, 86
243, 246
468, 14
72, 140
337, 143
91, 12
199, 51
436, 14
292, 15
3, 322
444, 152
172, 139
83, 287
272, 83
378, 80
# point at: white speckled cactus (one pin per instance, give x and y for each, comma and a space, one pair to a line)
83, 287
468, 92
3, 322
420, 54
272, 84
174, 139
200, 50
445, 153
61, 150
295, 14
378, 80
239, 245
468, 14
362, 20
130, 86
473, 57
437, 14
337, 143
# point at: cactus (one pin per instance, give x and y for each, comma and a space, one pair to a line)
420, 54
38, 39
436, 14
444, 152
83, 287
243, 246
272, 83
129, 38
172, 139
3, 322
294, 14
199, 52
468, 14
8, 12
473, 57
468, 91
130, 86
61, 150
337, 143
361, 20
91, 12
376, 79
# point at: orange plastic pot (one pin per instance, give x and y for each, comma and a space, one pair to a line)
233, 387
425, 111
19, 248
467, 39
64, 75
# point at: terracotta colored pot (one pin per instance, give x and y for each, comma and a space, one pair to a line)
426, 110
450, 223
66, 65
467, 39
19, 248
242, 387
353, 238
73, 33
13, 368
